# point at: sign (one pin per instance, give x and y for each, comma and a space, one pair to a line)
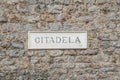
57, 40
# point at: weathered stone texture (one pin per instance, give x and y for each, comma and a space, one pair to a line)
18, 44
3, 19
100, 18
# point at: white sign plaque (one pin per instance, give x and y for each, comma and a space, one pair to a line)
57, 40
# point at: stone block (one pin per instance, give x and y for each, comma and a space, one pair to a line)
3, 19
18, 44
55, 53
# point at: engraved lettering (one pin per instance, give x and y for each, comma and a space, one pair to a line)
64, 39
46, 39
70, 41
58, 39
37, 40
77, 40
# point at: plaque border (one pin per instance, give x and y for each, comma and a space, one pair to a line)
55, 32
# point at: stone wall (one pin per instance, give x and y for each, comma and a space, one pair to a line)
100, 61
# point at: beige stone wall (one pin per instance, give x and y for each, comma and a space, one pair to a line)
100, 18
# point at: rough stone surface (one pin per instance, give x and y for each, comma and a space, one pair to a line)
55, 53
3, 19
1, 37
111, 25
91, 52
41, 53
7, 27
68, 65
118, 2
101, 20
116, 44
78, 1
5, 44
22, 27
12, 36
105, 44
86, 18
18, 44
7, 62
107, 69
67, 26
81, 59
13, 53
33, 19
93, 8
55, 26
54, 9
103, 36
82, 65
117, 51
2, 53
100, 1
